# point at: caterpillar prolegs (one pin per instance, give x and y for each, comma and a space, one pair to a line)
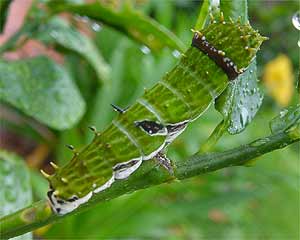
219, 53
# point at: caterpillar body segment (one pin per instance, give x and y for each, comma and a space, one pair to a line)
219, 53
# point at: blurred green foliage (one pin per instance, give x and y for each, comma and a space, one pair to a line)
260, 202
239, 203
15, 191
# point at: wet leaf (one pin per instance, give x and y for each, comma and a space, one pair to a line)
127, 20
15, 191
241, 101
286, 119
60, 32
41, 89
279, 79
4, 6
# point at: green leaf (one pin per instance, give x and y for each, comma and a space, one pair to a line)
41, 89
235, 9
202, 17
102, 112
4, 6
15, 191
241, 101
286, 119
127, 20
60, 32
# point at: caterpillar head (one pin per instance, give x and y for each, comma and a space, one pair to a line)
232, 45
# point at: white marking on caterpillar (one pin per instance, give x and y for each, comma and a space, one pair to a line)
174, 130
175, 92
151, 109
61, 206
205, 86
131, 138
105, 185
124, 173
153, 154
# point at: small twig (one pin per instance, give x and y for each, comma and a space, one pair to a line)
40, 214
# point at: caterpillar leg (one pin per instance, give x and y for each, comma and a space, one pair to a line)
165, 162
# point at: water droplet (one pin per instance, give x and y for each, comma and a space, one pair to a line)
299, 43
259, 142
84, 19
176, 53
145, 49
54, 34
283, 113
244, 116
96, 27
296, 20
10, 195
283, 145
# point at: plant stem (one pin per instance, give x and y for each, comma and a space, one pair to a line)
40, 214
214, 137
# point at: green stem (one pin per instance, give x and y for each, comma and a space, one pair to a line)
214, 137
39, 214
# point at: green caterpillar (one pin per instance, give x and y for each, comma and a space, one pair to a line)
219, 53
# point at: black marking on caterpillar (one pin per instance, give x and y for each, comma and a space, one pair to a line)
124, 170
228, 66
125, 165
152, 128
174, 130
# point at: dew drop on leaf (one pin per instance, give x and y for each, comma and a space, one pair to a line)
283, 113
176, 53
296, 20
145, 49
244, 115
96, 27
54, 34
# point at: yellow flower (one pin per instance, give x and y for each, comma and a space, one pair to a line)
279, 80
